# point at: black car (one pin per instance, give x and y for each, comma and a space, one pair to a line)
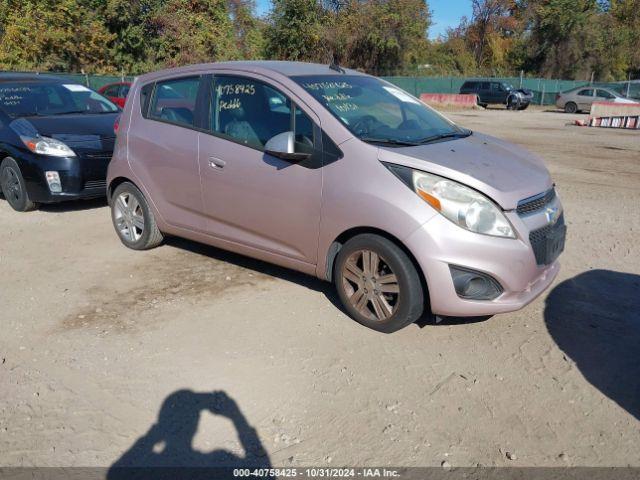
56, 140
497, 92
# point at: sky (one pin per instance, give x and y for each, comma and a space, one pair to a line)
446, 13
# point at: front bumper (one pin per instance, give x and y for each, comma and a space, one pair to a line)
440, 243
81, 177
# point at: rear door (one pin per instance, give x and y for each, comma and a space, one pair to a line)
250, 197
484, 92
584, 98
497, 93
163, 148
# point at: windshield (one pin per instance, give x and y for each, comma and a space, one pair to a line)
24, 99
374, 110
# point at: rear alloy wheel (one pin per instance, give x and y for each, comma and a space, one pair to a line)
378, 284
132, 218
14, 188
571, 107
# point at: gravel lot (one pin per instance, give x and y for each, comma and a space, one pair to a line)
176, 355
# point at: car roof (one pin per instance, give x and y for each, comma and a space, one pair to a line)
33, 77
284, 68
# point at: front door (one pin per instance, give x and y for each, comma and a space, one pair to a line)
250, 197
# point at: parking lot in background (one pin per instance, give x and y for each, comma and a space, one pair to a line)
188, 348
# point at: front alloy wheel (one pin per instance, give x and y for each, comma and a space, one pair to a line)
371, 286
378, 283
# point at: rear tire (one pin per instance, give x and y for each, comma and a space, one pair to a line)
378, 283
571, 107
132, 218
14, 188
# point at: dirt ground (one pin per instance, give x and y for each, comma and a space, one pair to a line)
176, 355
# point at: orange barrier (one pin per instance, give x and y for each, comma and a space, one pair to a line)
450, 99
615, 115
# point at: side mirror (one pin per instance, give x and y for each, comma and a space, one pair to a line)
283, 146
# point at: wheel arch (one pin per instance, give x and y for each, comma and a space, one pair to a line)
115, 183
345, 236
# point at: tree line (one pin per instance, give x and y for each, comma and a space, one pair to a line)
572, 39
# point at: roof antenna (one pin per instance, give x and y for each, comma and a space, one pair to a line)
334, 65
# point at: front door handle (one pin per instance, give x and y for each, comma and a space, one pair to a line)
216, 163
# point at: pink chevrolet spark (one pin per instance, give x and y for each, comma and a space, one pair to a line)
340, 175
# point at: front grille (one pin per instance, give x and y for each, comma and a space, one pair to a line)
93, 184
548, 242
535, 203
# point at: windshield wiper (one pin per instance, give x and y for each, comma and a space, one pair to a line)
389, 141
442, 136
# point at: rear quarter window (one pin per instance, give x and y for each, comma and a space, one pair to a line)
145, 96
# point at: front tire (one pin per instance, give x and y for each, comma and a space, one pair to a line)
132, 218
14, 188
378, 283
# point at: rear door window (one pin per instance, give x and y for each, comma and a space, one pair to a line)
174, 101
587, 92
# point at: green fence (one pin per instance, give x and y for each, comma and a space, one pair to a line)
91, 81
544, 90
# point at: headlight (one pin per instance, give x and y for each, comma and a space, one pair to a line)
47, 146
462, 205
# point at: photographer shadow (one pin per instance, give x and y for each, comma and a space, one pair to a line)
595, 320
166, 451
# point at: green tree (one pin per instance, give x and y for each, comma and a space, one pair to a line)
191, 31
383, 36
248, 29
57, 35
296, 31
564, 37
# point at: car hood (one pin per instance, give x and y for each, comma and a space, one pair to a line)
77, 130
503, 171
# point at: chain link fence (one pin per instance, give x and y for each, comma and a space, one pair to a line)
92, 81
544, 90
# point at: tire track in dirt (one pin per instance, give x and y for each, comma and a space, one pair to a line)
159, 281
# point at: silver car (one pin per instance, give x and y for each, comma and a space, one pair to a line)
581, 98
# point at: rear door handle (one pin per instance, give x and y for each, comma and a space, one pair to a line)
216, 163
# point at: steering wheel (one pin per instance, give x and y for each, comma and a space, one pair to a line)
365, 125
